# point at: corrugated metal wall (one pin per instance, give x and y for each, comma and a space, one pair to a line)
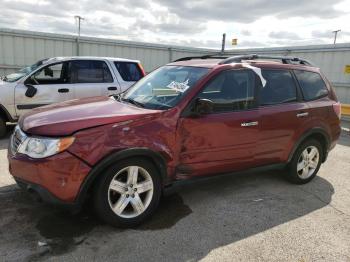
330, 58
19, 48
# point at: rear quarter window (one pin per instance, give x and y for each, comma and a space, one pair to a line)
312, 84
129, 71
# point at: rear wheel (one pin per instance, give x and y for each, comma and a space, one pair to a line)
3, 127
306, 162
128, 193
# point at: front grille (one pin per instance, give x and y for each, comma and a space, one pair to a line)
17, 139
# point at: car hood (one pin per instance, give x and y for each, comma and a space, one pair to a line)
68, 117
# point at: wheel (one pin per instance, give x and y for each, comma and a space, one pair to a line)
3, 127
128, 193
306, 162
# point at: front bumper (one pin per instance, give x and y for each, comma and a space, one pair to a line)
56, 179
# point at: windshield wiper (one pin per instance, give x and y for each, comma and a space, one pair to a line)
131, 101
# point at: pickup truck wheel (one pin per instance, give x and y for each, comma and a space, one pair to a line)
3, 128
128, 193
306, 162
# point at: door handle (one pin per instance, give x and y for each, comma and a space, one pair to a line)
63, 90
253, 123
112, 88
303, 114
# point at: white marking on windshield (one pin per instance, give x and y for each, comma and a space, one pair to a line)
178, 86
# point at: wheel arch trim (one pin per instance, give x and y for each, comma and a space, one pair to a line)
112, 158
309, 133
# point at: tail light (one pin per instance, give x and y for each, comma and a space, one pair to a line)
142, 70
337, 109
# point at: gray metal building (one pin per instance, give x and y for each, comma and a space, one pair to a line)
19, 48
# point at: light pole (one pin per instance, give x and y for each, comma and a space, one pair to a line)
335, 35
223, 44
78, 18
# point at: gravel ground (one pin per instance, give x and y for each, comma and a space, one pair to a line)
251, 217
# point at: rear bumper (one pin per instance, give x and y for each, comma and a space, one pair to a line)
56, 179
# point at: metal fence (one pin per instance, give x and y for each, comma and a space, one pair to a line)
19, 48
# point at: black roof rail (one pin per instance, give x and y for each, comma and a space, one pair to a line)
213, 56
284, 59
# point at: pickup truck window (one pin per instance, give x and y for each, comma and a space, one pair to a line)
129, 71
89, 71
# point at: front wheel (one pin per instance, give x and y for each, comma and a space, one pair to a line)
306, 162
128, 193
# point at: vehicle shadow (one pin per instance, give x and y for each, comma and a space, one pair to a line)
193, 219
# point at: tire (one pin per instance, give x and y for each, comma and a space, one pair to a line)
117, 198
306, 162
3, 127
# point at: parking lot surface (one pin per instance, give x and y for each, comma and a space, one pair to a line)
244, 217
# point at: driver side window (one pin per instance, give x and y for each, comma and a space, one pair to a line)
231, 91
51, 74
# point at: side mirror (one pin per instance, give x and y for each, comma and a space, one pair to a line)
48, 72
203, 106
31, 91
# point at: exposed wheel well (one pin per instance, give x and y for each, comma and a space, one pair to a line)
4, 115
320, 137
94, 176
147, 158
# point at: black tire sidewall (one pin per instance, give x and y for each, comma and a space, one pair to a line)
101, 203
3, 128
292, 168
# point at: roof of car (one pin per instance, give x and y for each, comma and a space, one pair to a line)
261, 61
67, 58
209, 63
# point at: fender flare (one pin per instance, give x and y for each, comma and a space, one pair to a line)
313, 131
157, 159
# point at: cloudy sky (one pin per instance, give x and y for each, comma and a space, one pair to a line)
198, 23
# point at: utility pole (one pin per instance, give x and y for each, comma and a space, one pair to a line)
223, 43
78, 18
335, 35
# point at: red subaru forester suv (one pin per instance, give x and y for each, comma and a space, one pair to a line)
195, 117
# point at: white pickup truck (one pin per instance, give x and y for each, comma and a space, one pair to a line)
63, 78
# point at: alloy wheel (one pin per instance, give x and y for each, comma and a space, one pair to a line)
308, 162
130, 192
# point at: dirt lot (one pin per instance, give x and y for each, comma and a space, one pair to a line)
251, 217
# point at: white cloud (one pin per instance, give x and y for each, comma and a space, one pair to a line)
197, 23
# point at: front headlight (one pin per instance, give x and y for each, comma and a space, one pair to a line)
36, 147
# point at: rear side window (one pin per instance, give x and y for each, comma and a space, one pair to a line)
280, 88
231, 91
129, 71
312, 84
89, 71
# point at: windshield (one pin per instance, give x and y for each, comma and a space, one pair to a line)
22, 72
164, 87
